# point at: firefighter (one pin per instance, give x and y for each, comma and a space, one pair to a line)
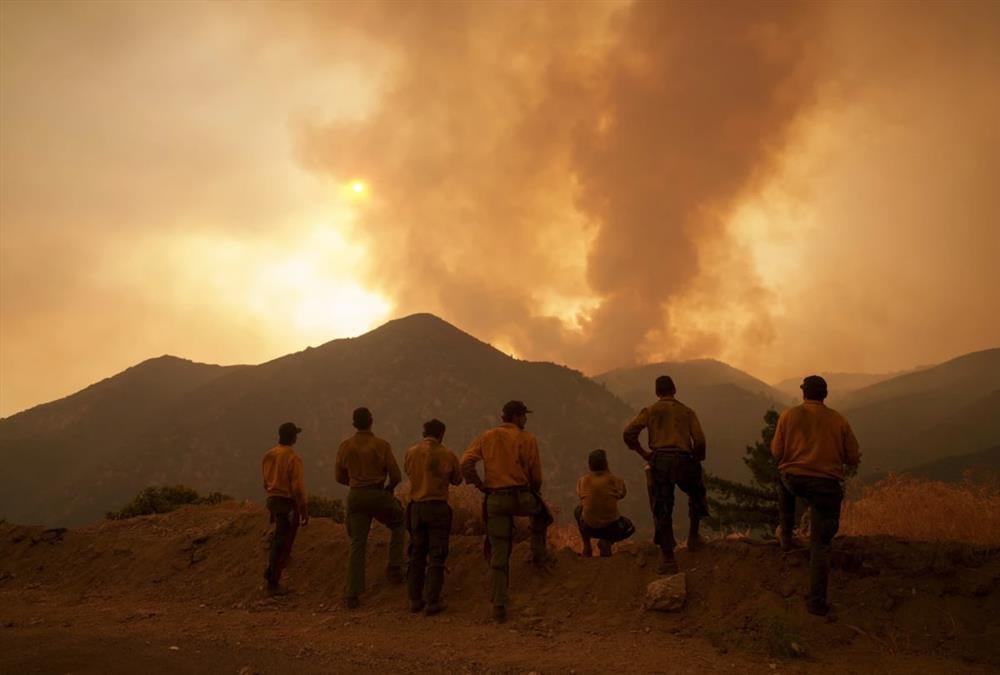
597, 515
431, 468
813, 444
676, 451
512, 486
365, 464
286, 501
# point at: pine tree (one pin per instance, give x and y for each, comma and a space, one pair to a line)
753, 505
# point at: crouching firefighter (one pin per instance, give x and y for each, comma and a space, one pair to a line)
597, 515
286, 501
431, 468
512, 486
676, 451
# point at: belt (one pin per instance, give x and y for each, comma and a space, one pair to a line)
511, 488
672, 449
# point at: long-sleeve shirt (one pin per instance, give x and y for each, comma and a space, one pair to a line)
669, 424
509, 456
431, 468
284, 476
599, 492
813, 440
365, 460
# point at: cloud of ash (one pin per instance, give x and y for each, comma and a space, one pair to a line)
565, 182
789, 187
577, 161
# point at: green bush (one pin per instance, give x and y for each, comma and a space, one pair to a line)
325, 507
163, 499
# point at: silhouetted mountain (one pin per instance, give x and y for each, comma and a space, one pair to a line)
943, 411
840, 384
730, 404
171, 421
976, 465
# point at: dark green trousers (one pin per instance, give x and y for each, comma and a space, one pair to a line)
429, 525
824, 497
364, 505
501, 507
666, 470
286, 525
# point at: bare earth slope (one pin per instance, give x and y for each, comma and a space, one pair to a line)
114, 597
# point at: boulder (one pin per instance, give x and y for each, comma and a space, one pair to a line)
666, 594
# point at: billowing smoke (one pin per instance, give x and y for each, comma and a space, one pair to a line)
789, 187
545, 160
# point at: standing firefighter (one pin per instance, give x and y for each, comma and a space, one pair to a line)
512, 484
676, 450
364, 462
431, 468
597, 515
286, 500
813, 444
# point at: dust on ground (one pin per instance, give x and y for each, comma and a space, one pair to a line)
182, 592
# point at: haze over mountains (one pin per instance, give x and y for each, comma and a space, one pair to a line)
168, 420
841, 384
948, 410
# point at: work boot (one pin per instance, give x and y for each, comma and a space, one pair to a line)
604, 547
543, 559
695, 542
588, 550
417, 607
499, 613
352, 602
434, 608
817, 607
668, 563
786, 539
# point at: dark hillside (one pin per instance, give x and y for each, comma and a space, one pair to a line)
211, 434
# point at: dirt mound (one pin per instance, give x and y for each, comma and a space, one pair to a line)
892, 597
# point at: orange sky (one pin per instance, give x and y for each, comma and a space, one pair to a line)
786, 188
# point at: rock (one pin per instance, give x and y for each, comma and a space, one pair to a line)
246, 670
174, 648
667, 594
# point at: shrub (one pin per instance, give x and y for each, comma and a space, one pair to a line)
326, 507
163, 499
922, 510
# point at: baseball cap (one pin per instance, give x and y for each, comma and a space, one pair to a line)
289, 429
813, 384
511, 408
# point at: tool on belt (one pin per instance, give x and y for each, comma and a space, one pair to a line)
546, 514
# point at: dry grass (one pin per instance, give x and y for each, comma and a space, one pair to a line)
922, 510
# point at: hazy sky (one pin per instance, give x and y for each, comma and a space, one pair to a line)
789, 188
